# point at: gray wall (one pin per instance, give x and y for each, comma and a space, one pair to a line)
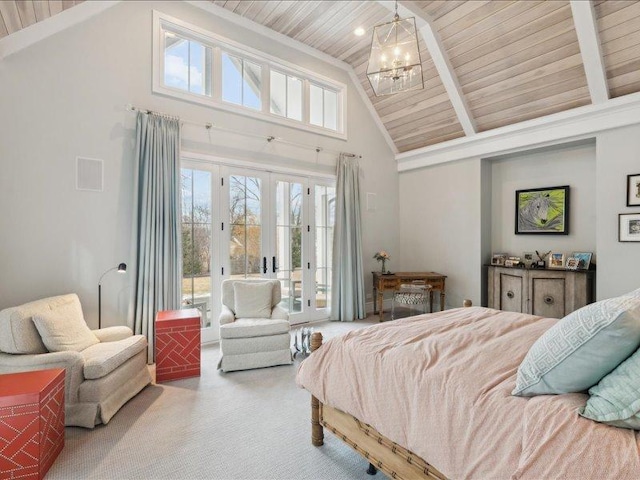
64, 97
453, 215
565, 165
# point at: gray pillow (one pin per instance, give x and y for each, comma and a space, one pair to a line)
616, 399
580, 349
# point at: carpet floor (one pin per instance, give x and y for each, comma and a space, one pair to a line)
252, 424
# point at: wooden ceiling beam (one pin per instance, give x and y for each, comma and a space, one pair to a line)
441, 61
584, 18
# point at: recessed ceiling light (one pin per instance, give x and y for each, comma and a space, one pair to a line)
359, 31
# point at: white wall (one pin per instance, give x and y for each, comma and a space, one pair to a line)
65, 97
618, 154
573, 165
440, 226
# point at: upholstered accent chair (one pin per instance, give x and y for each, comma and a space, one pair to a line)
103, 368
254, 330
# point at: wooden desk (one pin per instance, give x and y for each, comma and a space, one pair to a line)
390, 282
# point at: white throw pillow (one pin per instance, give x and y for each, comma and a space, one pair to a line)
253, 299
64, 329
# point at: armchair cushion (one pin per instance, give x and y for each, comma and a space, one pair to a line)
228, 297
103, 358
253, 300
64, 329
253, 327
112, 334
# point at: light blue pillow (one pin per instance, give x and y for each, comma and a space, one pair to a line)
580, 349
616, 399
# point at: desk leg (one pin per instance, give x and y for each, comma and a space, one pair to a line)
380, 300
430, 301
442, 300
375, 300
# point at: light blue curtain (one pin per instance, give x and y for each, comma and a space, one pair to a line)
158, 254
347, 295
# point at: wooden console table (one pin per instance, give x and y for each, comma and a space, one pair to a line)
390, 282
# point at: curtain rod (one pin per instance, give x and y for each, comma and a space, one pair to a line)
269, 139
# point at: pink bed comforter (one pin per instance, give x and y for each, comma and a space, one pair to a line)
440, 385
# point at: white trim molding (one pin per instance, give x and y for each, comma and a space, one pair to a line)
52, 25
575, 124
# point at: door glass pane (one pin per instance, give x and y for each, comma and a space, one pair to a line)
315, 106
325, 217
196, 242
252, 85
289, 244
278, 93
245, 246
294, 98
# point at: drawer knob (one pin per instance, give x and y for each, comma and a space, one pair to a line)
510, 294
548, 299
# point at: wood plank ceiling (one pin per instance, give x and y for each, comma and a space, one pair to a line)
19, 14
514, 60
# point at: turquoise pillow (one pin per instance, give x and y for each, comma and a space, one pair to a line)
580, 349
616, 399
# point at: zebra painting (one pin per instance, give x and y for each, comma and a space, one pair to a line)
542, 210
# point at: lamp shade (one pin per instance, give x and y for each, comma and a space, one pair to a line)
394, 62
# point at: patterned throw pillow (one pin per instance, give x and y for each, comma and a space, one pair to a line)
580, 349
616, 399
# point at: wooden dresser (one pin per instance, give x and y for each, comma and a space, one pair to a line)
551, 293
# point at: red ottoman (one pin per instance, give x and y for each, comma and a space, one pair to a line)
31, 422
177, 344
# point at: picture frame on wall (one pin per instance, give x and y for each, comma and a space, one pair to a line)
556, 260
584, 259
542, 211
633, 190
629, 227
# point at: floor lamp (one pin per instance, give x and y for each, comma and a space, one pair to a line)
122, 268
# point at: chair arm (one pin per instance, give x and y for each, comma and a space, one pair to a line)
226, 315
113, 334
279, 313
72, 362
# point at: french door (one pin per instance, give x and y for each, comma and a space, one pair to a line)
247, 223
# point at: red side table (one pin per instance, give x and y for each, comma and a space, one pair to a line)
31, 422
177, 345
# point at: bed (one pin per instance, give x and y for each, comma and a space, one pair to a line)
430, 397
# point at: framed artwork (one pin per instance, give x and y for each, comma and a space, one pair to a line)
633, 190
542, 211
528, 259
556, 260
584, 259
572, 263
629, 227
498, 258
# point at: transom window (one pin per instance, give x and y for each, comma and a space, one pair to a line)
196, 65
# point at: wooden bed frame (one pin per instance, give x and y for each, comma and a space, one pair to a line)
381, 453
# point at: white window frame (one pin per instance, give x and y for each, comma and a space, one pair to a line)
162, 22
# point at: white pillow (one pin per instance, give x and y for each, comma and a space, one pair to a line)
64, 329
253, 299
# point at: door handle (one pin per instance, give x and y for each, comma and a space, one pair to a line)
264, 264
273, 264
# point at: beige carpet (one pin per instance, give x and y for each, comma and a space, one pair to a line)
242, 425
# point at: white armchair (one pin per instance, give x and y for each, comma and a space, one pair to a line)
99, 378
254, 330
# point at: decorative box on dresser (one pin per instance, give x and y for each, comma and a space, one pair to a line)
551, 293
31, 422
177, 344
